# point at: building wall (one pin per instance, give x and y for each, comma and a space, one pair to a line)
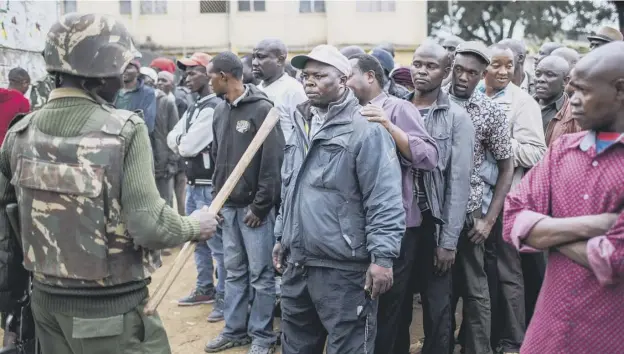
184, 27
25, 25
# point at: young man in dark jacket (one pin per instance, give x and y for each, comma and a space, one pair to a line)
249, 212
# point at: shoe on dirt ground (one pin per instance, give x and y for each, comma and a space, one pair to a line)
197, 297
256, 349
220, 343
217, 311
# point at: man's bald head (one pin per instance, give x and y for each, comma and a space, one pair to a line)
548, 48
273, 45
555, 64
452, 41
269, 59
551, 78
430, 65
568, 54
545, 50
431, 49
351, 50
516, 45
598, 83
604, 61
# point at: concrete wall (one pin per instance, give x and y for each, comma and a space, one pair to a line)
341, 24
26, 24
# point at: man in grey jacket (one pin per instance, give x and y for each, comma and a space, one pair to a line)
341, 220
442, 198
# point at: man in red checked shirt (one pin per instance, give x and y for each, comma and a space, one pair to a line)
571, 204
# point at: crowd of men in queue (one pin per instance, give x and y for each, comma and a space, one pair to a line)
357, 217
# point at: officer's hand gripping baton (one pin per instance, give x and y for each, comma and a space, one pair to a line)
161, 290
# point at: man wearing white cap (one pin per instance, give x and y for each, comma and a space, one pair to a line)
341, 220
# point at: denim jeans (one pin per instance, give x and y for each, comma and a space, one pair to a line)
249, 265
198, 196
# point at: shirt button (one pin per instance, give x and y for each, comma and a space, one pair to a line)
595, 163
586, 196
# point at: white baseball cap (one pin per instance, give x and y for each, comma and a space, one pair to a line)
149, 72
326, 54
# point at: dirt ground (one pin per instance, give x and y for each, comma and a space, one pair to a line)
187, 327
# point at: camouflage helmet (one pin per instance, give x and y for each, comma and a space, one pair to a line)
89, 45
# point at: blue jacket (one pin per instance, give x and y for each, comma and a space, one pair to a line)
141, 98
341, 192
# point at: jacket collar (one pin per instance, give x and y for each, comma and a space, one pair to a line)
441, 102
334, 109
66, 92
240, 98
206, 98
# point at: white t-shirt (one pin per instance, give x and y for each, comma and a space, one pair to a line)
286, 93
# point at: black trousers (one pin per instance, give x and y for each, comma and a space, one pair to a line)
415, 268
320, 304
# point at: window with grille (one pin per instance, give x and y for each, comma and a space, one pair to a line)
150, 7
125, 7
213, 6
311, 5
69, 6
375, 6
249, 5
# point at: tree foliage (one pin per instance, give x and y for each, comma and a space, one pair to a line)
492, 21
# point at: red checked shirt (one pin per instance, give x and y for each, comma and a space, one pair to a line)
579, 310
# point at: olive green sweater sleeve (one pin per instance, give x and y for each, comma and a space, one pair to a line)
150, 221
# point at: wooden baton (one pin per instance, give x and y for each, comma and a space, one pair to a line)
161, 290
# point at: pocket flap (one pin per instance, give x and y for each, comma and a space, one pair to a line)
72, 179
97, 327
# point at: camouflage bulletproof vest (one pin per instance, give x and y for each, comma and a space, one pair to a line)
69, 192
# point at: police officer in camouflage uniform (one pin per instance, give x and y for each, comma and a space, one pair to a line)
91, 221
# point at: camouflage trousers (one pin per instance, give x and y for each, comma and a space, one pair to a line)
130, 333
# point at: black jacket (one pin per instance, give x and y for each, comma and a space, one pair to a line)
234, 127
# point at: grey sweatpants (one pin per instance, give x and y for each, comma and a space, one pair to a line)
318, 301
